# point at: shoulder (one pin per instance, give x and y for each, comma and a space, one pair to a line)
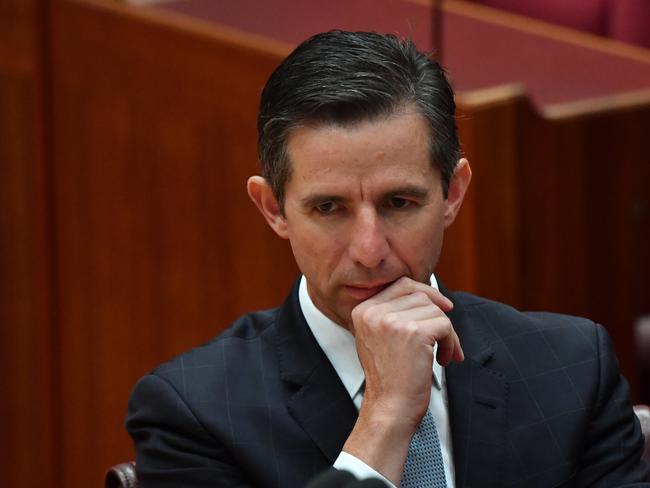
202, 383
555, 359
237, 347
533, 337
508, 320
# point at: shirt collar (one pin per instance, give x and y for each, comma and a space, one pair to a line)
338, 343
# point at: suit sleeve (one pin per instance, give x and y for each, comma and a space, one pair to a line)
614, 441
172, 448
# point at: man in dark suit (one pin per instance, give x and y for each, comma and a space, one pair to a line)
362, 173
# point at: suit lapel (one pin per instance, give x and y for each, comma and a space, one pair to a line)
478, 399
477, 395
320, 404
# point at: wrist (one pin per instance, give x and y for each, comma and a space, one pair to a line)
397, 412
381, 438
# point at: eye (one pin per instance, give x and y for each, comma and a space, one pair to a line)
326, 208
399, 203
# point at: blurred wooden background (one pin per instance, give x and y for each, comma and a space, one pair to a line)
126, 236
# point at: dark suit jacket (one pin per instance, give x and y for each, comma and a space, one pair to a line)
538, 402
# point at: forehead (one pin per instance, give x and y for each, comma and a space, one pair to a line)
387, 151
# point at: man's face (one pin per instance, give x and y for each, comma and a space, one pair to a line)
363, 207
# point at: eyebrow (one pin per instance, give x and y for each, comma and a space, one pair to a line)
417, 192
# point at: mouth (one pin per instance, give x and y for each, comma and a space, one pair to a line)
363, 291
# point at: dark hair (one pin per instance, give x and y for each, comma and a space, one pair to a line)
345, 77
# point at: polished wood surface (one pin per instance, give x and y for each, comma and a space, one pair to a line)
482, 243
28, 451
126, 236
559, 211
159, 247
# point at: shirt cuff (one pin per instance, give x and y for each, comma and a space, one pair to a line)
347, 462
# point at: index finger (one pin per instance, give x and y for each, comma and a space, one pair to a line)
404, 286
449, 349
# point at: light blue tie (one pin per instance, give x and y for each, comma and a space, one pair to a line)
424, 467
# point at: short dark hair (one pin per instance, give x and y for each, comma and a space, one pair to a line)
346, 77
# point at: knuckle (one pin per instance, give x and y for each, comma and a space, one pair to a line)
391, 319
368, 315
411, 327
421, 296
444, 327
357, 312
404, 280
358, 316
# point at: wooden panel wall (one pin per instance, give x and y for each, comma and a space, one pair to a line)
126, 235
586, 217
481, 252
558, 216
27, 328
159, 247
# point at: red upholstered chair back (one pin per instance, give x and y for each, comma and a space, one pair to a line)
629, 21
625, 20
585, 15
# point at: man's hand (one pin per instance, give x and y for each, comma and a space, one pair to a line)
395, 332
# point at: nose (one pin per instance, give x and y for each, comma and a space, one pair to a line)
368, 241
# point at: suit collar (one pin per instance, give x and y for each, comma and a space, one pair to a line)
320, 404
478, 404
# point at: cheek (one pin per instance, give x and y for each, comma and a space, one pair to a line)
420, 248
319, 257
309, 250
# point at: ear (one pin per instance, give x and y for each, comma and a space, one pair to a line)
457, 188
262, 195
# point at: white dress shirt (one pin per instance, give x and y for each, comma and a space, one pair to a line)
339, 347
